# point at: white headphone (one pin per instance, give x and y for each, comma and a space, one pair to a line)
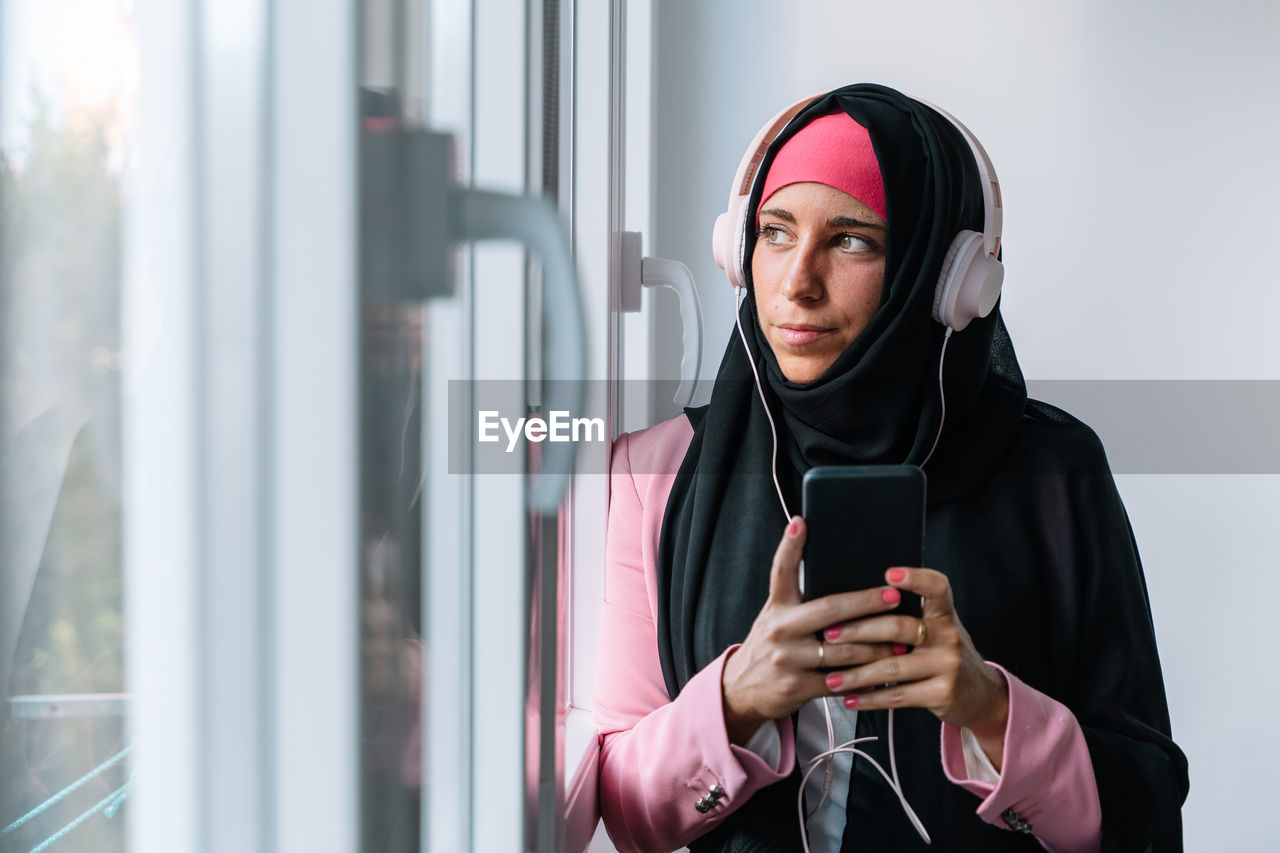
971, 276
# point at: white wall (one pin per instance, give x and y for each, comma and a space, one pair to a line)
1133, 143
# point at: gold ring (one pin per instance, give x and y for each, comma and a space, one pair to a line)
822, 655
921, 633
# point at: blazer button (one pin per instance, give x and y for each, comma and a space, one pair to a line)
716, 792
704, 805
1016, 821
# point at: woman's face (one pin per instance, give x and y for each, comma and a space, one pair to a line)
818, 268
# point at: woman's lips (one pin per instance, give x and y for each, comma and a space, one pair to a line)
798, 336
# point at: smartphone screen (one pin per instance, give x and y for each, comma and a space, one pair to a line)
862, 520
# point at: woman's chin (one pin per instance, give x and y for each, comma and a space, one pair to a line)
802, 371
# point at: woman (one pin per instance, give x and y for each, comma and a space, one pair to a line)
1031, 709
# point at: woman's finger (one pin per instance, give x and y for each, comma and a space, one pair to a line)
784, 574
929, 584
846, 655
894, 669
914, 694
832, 612
886, 628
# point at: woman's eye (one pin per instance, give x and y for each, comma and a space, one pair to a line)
854, 243
772, 234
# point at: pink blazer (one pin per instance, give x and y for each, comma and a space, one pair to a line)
659, 758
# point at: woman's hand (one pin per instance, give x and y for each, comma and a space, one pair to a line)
943, 673
777, 668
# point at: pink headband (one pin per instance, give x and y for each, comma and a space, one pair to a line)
834, 150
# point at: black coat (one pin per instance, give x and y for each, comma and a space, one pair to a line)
1047, 581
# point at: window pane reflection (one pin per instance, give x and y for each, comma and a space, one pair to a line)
392, 480
67, 83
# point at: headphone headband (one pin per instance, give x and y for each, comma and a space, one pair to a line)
745, 177
992, 206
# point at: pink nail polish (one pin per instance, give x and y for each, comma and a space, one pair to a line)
897, 575
891, 596
851, 702
793, 528
834, 680
899, 649
833, 633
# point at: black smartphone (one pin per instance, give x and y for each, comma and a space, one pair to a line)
862, 520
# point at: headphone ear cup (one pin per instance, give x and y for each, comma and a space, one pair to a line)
722, 242
969, 283
944, 293
982, 286
727, 241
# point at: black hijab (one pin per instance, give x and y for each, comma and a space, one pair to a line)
878, 403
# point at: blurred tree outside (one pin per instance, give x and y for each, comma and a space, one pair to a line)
60, 252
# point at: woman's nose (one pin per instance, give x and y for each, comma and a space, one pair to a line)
804, 274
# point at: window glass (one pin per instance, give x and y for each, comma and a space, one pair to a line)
68, 73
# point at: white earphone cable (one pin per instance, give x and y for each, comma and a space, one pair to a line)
831, 765
849, 748
942, 396
737, 315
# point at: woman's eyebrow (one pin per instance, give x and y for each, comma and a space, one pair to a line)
833, 222
850, 222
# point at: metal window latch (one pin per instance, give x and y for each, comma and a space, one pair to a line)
406, 238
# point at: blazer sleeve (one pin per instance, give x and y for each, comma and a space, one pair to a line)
668, 772
1046, 786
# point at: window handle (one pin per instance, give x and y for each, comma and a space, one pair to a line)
486, 215
638, 273
412, 210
